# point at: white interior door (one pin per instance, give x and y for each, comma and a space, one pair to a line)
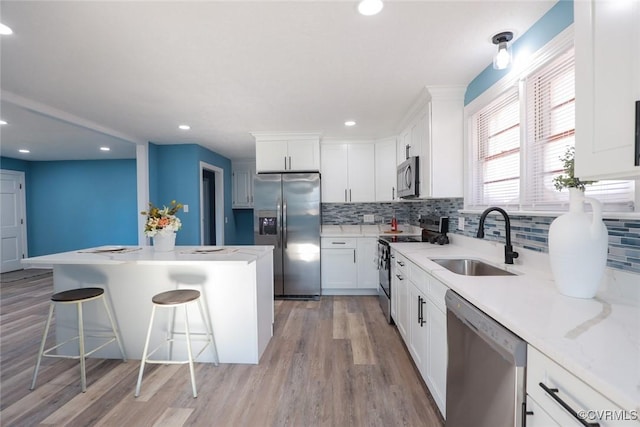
12, 220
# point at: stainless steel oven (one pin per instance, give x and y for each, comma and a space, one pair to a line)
434, 230
384, 277
384, 269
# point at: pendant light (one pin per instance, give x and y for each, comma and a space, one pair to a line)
502, 58
370, 7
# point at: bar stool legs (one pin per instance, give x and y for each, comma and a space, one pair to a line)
77, 297
174, 299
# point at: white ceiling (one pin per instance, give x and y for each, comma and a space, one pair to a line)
136, 70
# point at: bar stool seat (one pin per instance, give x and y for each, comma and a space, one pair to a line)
174, 299
78, 297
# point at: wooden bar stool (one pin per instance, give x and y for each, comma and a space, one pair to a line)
78, 297
174, 299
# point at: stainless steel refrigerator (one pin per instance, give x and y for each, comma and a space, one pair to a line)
286, 214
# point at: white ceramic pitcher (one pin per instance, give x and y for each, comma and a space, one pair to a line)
578, 243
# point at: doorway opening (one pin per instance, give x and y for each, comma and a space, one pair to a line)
14, 223
211, 205
208, 207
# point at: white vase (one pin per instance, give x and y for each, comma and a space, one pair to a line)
164, 242
578, 243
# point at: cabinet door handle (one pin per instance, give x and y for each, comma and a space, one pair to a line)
338, 243
285, 162
345, 195
524, 414
553, 392
419, 310
400, 263
422, 303
289, 162
637, 153
399, 277
393, 193
349, 194
354, 256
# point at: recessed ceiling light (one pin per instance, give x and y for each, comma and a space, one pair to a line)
25, 151
2, 122
370, 7
105, 149
4, 30
349, 123
184, 127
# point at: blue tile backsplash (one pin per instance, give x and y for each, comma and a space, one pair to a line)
530, 232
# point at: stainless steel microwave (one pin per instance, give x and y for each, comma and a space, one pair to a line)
408, 178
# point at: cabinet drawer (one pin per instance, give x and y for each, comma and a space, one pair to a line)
401, 265
437, 289
419, 278
579, 396
338, 243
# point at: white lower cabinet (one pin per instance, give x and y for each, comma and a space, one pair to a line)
338, 266
549, 384
366, 259
400, 292
436, 360
421, 319
348, 265
417, 327
537, 416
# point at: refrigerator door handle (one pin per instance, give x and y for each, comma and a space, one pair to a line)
279, 222
284, 223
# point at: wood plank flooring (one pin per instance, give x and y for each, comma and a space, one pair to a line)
333, 362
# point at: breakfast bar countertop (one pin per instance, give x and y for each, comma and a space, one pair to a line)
148, 255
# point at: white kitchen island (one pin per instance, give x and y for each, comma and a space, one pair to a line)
236, 284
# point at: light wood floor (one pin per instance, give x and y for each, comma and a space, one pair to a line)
333, 362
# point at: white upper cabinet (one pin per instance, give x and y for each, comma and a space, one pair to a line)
435, 135
287, 152
348, 172
385, 170
242, 184
607, 46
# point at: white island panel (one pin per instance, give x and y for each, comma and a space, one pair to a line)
236, 287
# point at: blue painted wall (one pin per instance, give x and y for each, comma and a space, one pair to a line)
79, 204
559, 17
14, 164
244, 226
174, 174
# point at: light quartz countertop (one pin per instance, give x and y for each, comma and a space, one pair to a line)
367, 230
598, 340
147, 255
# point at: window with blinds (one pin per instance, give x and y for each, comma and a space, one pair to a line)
515, 163
496, 165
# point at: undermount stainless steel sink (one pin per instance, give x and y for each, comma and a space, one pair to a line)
471, 267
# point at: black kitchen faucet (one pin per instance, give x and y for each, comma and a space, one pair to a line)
509, 253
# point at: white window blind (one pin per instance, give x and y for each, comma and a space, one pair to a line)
550, 101
496, 163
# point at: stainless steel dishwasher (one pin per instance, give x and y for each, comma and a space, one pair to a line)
485, 371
